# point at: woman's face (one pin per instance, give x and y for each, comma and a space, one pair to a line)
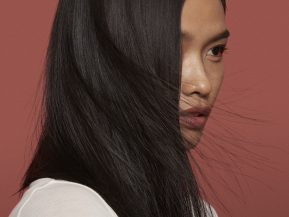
204, 37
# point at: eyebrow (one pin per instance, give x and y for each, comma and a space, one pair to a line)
224, 34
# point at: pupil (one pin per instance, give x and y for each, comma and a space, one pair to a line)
216, 50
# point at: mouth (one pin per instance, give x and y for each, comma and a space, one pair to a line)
195, 117
196, 111
193, 121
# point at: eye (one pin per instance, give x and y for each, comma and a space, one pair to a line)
217, 51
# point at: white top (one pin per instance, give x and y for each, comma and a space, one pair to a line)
47, 197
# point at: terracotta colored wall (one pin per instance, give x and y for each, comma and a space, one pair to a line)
245, 161
24, 29
248, 161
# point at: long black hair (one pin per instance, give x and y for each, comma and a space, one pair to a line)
109, 115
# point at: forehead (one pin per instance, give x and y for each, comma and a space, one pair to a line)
202, 17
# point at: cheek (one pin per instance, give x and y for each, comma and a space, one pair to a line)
215, 73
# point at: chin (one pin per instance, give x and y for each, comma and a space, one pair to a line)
191, 138
190, 146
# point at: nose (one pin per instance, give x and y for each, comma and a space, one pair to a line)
195, 80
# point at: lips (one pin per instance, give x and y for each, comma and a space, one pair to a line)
196, 111
193, 122
195, 117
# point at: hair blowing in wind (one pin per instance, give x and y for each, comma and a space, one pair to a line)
110, 115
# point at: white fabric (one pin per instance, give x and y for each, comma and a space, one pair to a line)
47, 197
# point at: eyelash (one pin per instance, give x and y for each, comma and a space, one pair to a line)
223, 49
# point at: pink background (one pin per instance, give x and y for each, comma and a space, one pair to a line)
246, 162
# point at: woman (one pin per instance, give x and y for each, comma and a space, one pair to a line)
129, 86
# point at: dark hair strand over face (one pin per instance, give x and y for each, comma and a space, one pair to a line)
110, 107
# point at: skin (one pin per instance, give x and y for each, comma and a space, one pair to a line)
202, 67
